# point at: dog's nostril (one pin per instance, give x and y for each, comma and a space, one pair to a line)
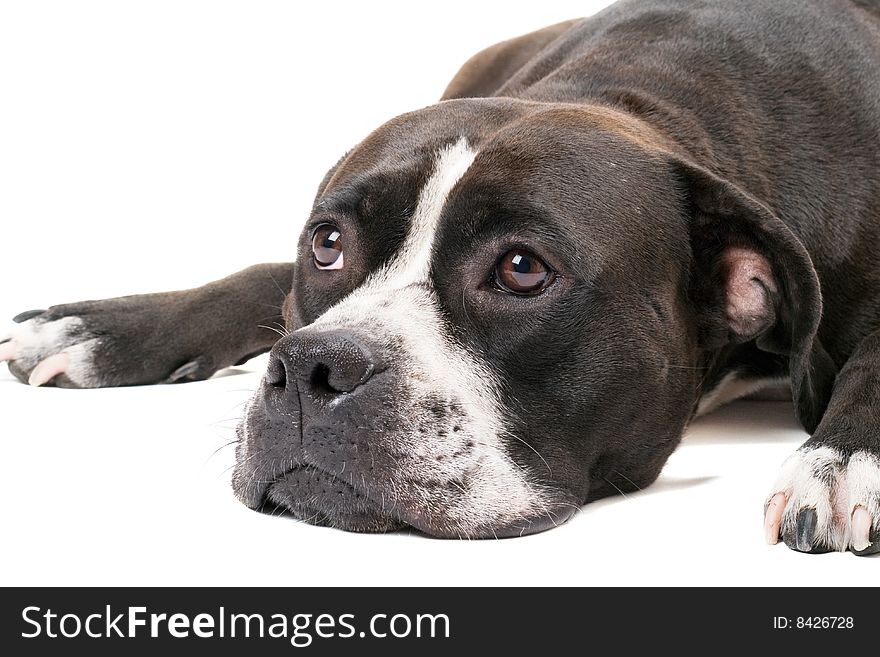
320, 380
276, 373
322, 364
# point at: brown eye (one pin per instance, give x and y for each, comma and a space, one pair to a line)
327, 247
523, 273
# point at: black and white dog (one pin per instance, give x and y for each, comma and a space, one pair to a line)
513, 302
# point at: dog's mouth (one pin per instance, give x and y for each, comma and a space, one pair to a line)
436, 489
318, 498
315, 497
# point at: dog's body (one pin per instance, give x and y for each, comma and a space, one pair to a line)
513, 301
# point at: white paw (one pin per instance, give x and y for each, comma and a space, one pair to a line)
38, 350
823, 501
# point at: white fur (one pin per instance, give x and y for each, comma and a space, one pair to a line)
862, 484
36, 339
398, 303
412, 263
854, 483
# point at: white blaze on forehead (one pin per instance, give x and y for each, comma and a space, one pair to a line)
397, 305
413, 262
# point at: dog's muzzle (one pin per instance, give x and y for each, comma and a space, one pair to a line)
340, 435
301, 460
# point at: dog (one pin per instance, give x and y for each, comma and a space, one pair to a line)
512, 302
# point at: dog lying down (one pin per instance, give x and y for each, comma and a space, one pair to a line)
512, 302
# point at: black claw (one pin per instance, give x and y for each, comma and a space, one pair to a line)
806, 527
26, 315
801, 534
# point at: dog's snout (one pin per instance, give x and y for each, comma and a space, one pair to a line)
320, 364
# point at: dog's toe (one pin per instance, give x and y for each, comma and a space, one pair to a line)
825, 501
43, 350
803, 535
864, 538
48, 368
773, 511
7, 350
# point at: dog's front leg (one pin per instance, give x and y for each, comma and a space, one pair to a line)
828, 495
185, 335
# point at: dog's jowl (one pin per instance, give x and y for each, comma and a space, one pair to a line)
512, 302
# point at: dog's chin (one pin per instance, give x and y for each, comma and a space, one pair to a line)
320, 499
362, 523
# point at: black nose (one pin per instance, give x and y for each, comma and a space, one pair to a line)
320, 364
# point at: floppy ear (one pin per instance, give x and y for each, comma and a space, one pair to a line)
754, 280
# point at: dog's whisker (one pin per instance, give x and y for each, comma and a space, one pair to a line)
458, 485
226, 419
283, 292
615, 486
272, 328
273, 306
222, 447
628, 479
524, 442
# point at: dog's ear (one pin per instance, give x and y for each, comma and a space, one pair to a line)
754, 280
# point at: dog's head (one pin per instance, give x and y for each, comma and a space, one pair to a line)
498, 314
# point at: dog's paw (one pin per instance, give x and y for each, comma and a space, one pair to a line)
96, 344
47, 347
824, 501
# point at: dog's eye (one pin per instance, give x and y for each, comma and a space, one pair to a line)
327, 247
523, 273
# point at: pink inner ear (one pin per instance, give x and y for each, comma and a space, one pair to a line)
748, 277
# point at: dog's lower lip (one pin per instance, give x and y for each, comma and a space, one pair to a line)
366, 520
275, 509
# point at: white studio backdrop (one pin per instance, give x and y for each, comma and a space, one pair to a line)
156, 145
147, 146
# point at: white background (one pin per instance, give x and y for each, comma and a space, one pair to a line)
160, 145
